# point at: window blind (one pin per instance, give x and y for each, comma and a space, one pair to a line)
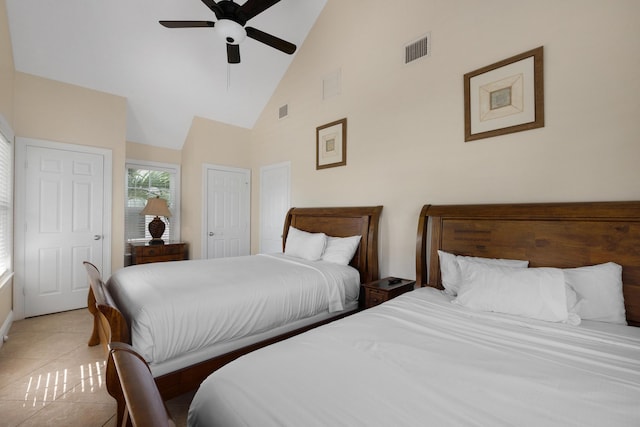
144, 182
6, 206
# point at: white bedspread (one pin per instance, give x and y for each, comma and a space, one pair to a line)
177, 307
419, 360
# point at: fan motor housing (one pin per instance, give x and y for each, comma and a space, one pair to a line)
231, 31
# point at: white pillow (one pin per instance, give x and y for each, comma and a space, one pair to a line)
600, 289
340, 250
450, 270
302, 244
536, 293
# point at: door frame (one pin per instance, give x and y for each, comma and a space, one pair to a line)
206, 167
20, 207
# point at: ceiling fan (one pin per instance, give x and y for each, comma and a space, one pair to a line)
230, 24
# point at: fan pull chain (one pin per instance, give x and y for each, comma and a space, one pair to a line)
228, 77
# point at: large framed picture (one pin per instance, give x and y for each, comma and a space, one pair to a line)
504, 97
331, 144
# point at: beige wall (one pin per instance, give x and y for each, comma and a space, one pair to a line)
406, 126
150, 153
55, 111
208, 142
6, 66
405, 123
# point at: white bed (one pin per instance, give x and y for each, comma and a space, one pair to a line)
237, 297
538, 338
234, 306
421, 360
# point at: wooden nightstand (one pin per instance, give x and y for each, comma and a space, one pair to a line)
143, 253
380, 291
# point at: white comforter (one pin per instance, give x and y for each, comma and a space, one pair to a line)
419, 360
177, 307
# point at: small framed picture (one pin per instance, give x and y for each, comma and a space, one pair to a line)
504, 97
331, 144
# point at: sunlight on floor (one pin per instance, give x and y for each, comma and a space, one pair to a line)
49, 386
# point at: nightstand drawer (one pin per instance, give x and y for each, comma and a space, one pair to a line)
173, 249
382, 290
159, 258
144, 253
375, 297
151, 251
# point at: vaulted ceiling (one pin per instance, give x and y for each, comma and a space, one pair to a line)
168, 76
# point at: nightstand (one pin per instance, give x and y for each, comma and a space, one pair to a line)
381, 290
143, 253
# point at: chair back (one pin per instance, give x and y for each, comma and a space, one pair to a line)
143, 403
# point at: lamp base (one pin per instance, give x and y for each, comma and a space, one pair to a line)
156, 229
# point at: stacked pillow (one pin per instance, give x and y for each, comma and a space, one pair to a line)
452, 276
319, 246
600, 289
551, 294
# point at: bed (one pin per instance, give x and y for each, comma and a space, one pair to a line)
428, 357
182, 349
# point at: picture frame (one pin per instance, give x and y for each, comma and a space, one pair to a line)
505, 97
331, 144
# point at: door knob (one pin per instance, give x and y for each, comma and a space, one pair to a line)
97, 237
211, 233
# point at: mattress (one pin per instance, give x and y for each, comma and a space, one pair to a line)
420, 360
176, 308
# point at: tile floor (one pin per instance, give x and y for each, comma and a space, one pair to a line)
50, 377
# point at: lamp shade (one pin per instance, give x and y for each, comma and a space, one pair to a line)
156, 207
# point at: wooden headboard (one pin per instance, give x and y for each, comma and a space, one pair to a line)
343, 222
559, 235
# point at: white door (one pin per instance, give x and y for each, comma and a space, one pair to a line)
63, 205
275, 195
227, 213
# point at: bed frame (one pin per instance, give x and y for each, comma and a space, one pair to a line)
559, 235
552, 234
109, 325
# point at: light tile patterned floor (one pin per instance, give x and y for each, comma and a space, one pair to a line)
50, 377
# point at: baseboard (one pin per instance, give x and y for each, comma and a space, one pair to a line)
4, 330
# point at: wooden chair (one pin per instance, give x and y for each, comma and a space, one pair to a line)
101, 310
139, 401
108, 324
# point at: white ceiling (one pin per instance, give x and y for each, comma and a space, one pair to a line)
167, 75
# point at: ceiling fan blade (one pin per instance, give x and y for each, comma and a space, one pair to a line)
233, 53
214, 8
270, 40
187, 24
253, 7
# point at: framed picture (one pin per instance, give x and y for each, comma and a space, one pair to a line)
504, 97
331, 144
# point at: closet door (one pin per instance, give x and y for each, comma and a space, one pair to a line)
227, 212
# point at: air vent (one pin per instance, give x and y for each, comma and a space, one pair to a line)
283, 111
420, 48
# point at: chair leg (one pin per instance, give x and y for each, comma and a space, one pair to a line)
91, 306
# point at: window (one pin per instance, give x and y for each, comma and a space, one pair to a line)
6, 199
146, 180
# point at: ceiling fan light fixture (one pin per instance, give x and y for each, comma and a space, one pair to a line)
231, 18
230, 31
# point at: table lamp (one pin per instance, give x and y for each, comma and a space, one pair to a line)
156, 207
